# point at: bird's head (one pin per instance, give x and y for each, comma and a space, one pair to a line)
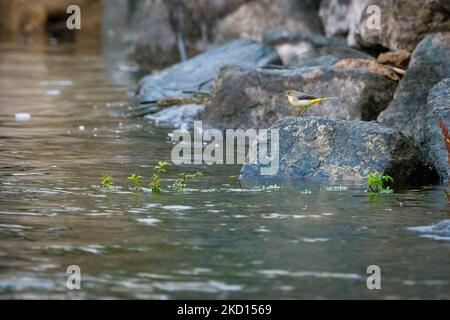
289, 93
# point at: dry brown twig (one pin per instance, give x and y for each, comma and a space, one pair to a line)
446, 136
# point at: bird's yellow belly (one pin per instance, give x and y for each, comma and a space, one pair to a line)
299, 103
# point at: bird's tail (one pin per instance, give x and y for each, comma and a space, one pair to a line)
329, 98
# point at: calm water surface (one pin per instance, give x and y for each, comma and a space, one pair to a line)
212, 241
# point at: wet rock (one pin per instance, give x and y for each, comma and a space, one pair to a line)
404, 23
398, 58
250, 98
438, 106
254, 18
430, 63
320, 149
199, 72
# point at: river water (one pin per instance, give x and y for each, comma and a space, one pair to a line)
213, 240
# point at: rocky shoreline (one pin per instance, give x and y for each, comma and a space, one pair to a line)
387, 108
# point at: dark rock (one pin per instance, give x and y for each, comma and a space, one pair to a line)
318, 149
438, 106
430, 63
199, 72
404, 23
249, 98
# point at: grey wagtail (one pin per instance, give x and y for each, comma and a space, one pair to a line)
302, 100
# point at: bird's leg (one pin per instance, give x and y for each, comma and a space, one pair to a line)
302, 112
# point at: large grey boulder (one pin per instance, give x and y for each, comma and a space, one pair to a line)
321, 149
253, 98
430, 63
438, 106
198, 73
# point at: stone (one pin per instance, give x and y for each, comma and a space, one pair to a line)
253, 98
430, 63
321, 149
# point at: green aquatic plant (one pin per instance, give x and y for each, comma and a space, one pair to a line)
158, 170
236, 178
266, 187
376, 183
135, 180
306, 191
183, 177
106, 181
272, 187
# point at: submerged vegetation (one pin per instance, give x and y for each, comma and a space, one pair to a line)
238, 180
135, 180
183, 177
158, 170
377, 183
106, 181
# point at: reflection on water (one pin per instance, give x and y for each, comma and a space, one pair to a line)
213, 241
